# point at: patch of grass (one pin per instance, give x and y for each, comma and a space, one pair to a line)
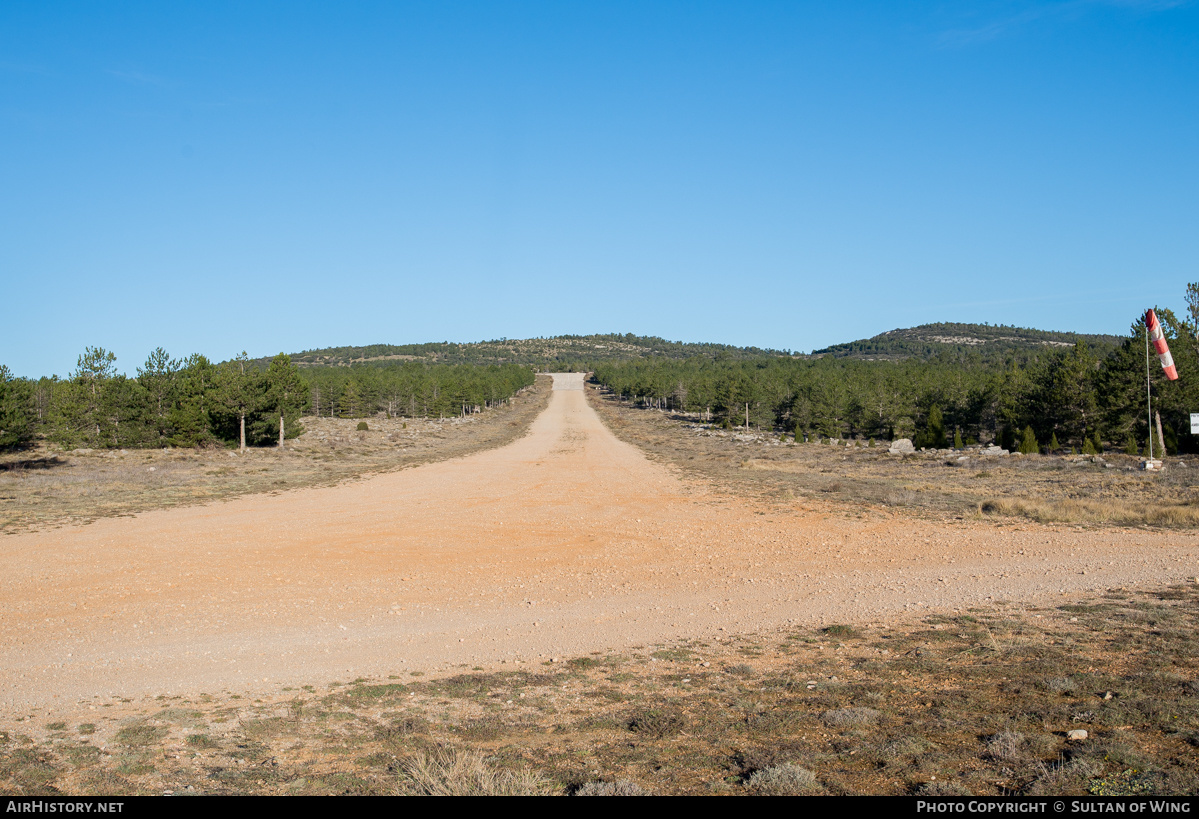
787, 779
621, 787
30, 770
841, 717
140, 735
656, 722
841, 632
454, 772
1112, 511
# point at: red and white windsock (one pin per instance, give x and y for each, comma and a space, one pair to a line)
1158, 340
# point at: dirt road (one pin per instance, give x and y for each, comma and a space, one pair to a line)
563, 543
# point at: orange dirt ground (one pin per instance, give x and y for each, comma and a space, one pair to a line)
565, 542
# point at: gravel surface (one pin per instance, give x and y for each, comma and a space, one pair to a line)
565, 542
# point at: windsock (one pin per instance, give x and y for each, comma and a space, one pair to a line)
1159, 344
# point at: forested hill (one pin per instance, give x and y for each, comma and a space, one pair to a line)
539, 352
584, 352
987, 340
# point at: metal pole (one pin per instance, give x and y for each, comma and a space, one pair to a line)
1148, 394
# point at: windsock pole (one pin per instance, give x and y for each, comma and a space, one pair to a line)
1153, 330
1148, 393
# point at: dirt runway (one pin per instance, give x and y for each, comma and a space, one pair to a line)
565, 542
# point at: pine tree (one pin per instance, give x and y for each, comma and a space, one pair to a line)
16, 419
240, 392
957, 439
79, 411
190, 418
1028, 444
160, 380
1054, 446
1088, 447
936, 428
285, 393
1130, 445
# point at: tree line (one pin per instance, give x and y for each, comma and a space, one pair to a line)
1073, 398
194, 402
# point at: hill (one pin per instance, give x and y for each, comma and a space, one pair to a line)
567, 352
986, 340
575, 352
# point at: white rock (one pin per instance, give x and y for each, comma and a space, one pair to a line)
1077, 735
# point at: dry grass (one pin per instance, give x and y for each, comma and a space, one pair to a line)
1119, 512
44, 486
977, 702
1110, 491
455, 772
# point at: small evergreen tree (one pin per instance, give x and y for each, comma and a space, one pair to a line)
957, 439
1088, 447
1028, 444
1097, 442
1054, 446
1130, 445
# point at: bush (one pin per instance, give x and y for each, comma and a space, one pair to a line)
787, 779
362, 426
1028, 444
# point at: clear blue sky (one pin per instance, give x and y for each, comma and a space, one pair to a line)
213, 177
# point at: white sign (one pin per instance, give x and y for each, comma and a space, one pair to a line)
1195, 423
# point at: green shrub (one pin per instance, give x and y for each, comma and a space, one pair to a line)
1028, 444
362, 426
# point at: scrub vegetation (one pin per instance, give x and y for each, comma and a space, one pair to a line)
980, 701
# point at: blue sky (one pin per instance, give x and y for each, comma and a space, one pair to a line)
216, 177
